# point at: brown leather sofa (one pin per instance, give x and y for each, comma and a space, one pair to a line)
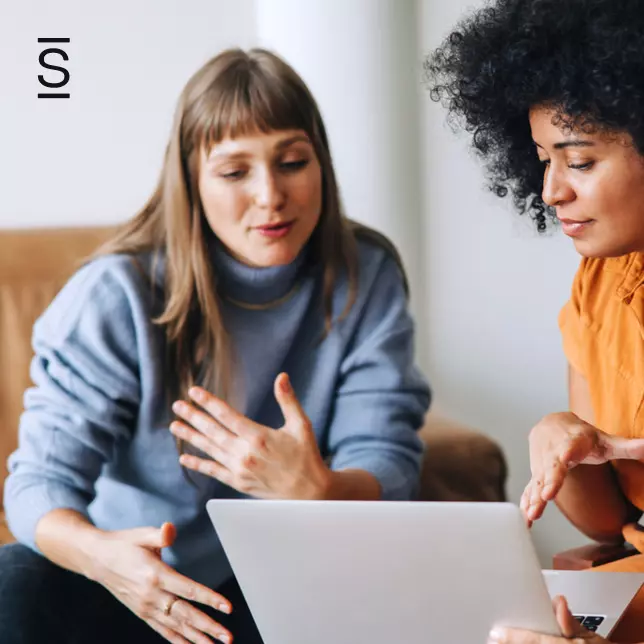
461, 464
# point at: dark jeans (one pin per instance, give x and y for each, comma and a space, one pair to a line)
41, 603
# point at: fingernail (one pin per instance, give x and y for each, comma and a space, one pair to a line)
225, 637
179, 407
225, 608
286, 386
196, 393
496, 635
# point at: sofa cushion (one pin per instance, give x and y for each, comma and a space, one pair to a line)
34, 265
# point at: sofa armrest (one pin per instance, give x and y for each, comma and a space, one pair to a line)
5, 534
460, 463
591, 555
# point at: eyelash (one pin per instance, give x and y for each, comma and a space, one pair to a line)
289, 167
294, 165
582, 166
232, 176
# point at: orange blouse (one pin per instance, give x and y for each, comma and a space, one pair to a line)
603, 337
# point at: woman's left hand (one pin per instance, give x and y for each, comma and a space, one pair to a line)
249, 457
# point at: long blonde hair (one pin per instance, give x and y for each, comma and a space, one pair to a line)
233, 94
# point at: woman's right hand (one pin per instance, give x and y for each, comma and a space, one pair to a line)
560, 442
573, 632
128, 563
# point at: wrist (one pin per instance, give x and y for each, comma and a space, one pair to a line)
91, 551
68, 539
564, 417
349, 484
319, 486
565, 422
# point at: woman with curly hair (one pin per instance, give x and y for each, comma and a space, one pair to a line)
553, 95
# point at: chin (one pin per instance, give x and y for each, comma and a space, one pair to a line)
602, 249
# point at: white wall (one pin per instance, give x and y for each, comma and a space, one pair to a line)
359, 58
494, 290
94, 159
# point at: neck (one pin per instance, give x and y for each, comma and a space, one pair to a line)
251, 285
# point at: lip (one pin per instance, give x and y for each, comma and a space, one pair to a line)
276, 230
575, 228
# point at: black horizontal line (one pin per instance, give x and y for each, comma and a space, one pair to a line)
53, 95
53, 40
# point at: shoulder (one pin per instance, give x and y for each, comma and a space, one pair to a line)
380, 295
102, 293
378, 259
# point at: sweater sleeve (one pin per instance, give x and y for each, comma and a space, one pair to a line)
382, 398
85, 396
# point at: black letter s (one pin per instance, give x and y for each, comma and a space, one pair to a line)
65, 73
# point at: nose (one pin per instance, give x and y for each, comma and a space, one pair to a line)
557, 190
269, 194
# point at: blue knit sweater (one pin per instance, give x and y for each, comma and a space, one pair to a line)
94, 435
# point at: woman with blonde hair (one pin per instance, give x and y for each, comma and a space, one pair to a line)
241, 300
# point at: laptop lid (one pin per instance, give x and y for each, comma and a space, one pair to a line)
383, 572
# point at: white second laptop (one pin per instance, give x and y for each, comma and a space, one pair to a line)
379, 572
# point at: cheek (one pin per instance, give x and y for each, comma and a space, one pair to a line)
614, 198
620, 197
601, 193
306, 192
222, 205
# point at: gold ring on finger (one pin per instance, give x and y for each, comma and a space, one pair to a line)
169, 605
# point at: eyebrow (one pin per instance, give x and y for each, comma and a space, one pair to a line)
562, 145
284, 143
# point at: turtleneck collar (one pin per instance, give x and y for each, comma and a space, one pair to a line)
253, 285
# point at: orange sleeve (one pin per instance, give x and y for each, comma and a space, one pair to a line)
570, 323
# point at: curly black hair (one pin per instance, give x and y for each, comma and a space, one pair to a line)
584, 58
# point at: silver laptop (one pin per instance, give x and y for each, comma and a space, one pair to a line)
379, 572
596, 599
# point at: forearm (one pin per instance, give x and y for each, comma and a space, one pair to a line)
67, 538
593, 502
351, 485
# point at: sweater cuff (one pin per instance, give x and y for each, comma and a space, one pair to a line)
398, 482
32, 503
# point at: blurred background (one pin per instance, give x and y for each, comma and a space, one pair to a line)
486, 289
